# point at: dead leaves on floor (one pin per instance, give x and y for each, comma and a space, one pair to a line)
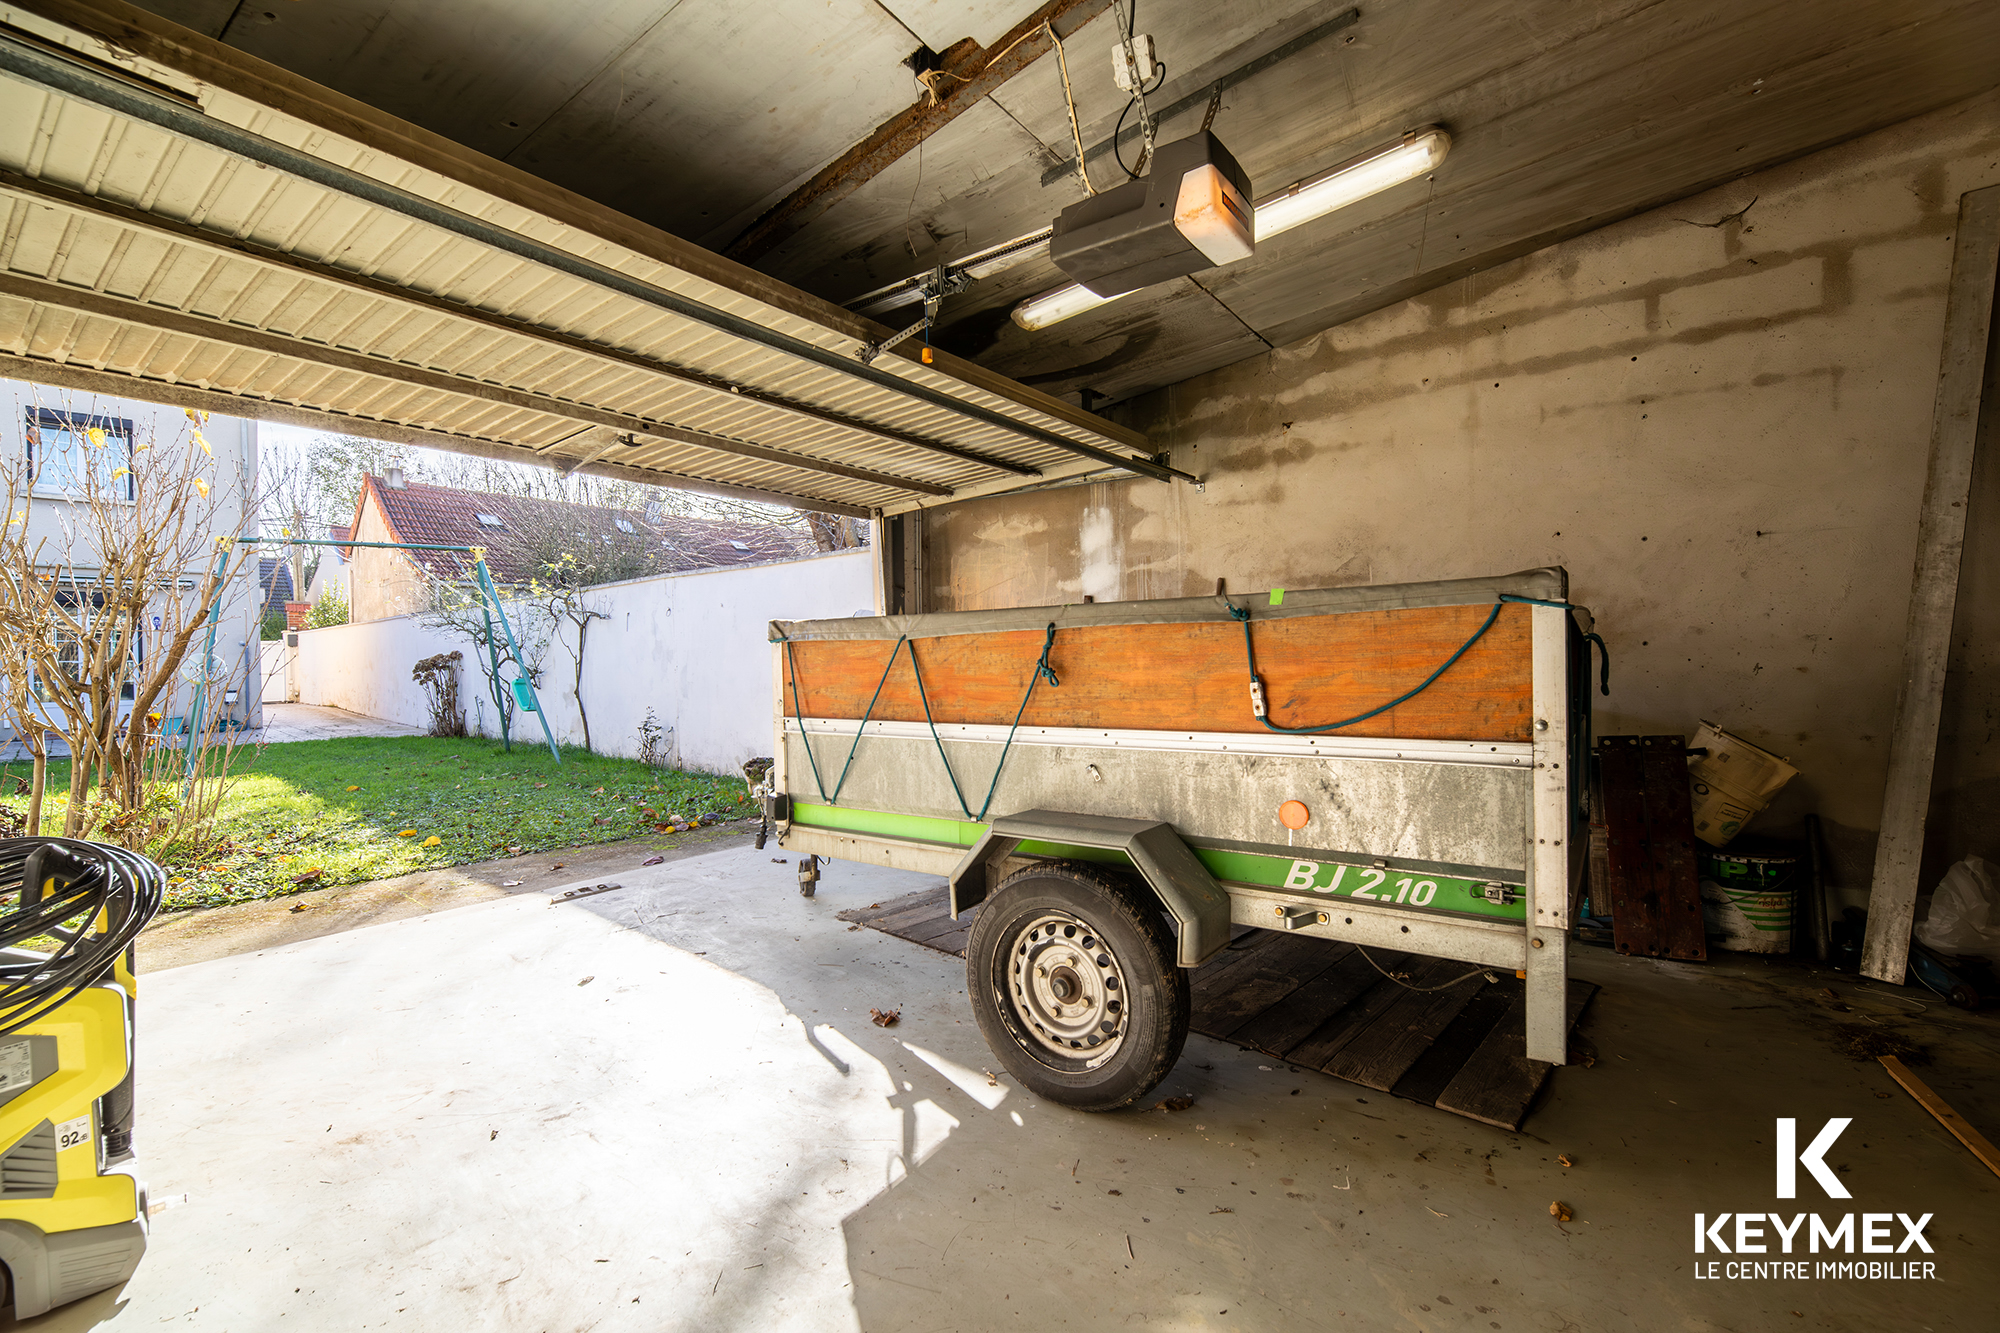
885, 1018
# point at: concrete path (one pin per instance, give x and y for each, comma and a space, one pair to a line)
284, 723
666, 1107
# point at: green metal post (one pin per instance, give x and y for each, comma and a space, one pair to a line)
207, 656
501, 703
486, 586
489, 606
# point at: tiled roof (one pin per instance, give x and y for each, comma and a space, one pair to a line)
420, 513
274, 581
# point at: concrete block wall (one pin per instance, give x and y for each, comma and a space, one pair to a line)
692, 647
1716, 415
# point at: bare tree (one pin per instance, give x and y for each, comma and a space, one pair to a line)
829, 532
566, 607
17, 666
112, 607
457, 606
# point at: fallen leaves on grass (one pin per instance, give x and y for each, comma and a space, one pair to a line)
885, 1018
291, 809
308, 876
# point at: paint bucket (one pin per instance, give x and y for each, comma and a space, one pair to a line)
1746, 900
1732, 782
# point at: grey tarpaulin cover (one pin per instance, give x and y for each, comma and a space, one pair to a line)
1548, 585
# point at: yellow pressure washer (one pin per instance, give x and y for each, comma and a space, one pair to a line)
72, 1206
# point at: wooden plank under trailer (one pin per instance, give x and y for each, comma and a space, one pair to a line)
1122, 787
1453, 1042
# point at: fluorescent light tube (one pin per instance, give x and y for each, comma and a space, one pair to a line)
1415, 154
1063, 303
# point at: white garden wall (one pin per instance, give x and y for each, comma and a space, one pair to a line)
692, 647
276, 658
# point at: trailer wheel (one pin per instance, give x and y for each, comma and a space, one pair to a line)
1072, 977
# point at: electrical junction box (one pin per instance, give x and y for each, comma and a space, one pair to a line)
1191, 212
1134, 68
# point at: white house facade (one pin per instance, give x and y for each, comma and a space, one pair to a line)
56, 443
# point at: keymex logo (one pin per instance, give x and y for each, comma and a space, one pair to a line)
1808, 1234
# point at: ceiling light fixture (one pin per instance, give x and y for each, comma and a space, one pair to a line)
1063, 303
1415, 154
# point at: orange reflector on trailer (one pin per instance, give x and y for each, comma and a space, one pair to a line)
1293, 814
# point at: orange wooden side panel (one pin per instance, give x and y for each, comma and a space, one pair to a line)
1192, 676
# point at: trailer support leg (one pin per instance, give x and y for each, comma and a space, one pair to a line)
1548, 995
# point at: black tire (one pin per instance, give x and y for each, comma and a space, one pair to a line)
1120, 948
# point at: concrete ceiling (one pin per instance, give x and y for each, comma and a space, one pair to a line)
699, 116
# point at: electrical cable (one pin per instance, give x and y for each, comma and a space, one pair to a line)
1127, 36
1119, 128
105, 894
1425, 990
1069, 99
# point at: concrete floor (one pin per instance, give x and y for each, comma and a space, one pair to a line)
282, 723
666, 1108
312, 722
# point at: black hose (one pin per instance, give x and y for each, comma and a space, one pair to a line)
101, 898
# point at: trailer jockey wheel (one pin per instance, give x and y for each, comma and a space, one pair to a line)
808, 875
1072, 977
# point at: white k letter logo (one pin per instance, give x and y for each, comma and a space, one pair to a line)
1813, 1158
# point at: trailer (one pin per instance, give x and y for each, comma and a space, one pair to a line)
1118, 788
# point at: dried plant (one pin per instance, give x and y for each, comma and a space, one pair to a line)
439, 677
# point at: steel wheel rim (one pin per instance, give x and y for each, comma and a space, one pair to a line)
1065, 990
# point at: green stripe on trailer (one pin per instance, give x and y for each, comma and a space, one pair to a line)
1372, 884
1281, 873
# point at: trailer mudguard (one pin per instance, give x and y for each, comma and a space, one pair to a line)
1197, 904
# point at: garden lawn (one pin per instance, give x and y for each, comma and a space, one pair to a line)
312, 814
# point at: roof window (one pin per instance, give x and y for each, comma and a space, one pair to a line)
489, 521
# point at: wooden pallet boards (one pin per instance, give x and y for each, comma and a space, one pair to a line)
1283, 1026
1499, 1082
1223, 1003
1654, 887
1380, 1056
1328, 1006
